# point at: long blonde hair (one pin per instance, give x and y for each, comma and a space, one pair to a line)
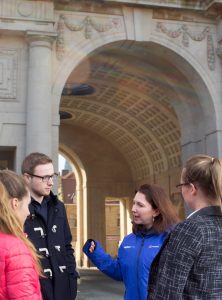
14, 186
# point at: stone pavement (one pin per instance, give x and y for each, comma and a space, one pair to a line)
94, 285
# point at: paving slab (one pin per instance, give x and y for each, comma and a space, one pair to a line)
94, 285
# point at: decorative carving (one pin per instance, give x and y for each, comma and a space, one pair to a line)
25, 8
210, 52
87, 24
219, 51
60, 43
8, 74
198, 37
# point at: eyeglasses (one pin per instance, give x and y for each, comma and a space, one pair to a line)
46, 178
181, 184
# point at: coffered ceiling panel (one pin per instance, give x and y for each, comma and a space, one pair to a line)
131, 105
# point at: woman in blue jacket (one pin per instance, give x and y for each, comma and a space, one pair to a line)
153, 218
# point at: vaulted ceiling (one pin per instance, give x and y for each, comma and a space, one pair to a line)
132, 104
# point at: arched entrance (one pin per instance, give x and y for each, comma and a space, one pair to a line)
107, 174
81, 202
155, 72
148, 109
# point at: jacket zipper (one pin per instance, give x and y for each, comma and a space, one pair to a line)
137, 268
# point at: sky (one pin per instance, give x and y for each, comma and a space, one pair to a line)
61, 162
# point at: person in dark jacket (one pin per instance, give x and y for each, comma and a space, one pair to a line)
49, 230
153, 217
189, 265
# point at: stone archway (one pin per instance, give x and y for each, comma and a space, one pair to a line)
155, 101
140, 110
157, 76
185, 102
81, 202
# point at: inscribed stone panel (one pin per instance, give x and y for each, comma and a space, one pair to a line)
8, 74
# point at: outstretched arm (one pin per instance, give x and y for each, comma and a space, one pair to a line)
102, 260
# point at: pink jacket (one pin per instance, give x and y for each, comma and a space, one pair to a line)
18, 277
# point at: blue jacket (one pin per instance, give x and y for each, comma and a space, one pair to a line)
132, 265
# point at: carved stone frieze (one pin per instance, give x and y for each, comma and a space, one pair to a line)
24, 9
187, 34
87, 25
8, 74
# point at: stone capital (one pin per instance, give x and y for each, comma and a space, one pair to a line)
40, 39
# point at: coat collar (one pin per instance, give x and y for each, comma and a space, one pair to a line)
51, 199
208, 211
146, 232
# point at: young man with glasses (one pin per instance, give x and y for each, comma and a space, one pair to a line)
48, 229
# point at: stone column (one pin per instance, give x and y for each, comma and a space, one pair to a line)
218, 134
128, 216
39, 102
125, 217
122, 212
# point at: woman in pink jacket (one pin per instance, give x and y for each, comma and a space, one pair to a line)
19, 263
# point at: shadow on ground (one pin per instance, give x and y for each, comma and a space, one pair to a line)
94, 285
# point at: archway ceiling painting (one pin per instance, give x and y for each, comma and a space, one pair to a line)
131, 106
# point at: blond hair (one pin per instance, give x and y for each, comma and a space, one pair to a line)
13, 186
206, 172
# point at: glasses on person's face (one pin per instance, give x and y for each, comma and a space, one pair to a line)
179, 186
46, 178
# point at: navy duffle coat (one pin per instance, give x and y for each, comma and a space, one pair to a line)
52, 240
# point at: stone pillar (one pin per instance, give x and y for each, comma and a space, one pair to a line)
191, 148
128, 216
125, 217
122, 212
39, 102
219, 53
